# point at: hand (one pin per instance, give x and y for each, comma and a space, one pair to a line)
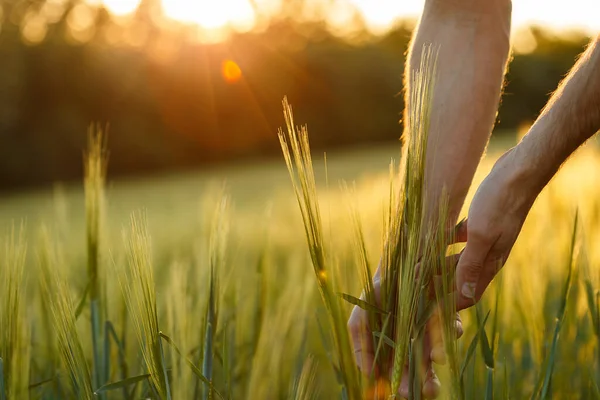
496, 216
433, 348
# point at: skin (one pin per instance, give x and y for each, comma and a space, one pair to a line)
505, 197
474, 41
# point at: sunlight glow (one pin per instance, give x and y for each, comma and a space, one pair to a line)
211, 14
231, 71
118, 7
558, 14
380, 15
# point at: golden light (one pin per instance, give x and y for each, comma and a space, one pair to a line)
215, 18
211, 14
381, 14
118, 7
81, 22
231, 71
34, 27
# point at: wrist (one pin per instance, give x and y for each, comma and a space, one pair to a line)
521, 177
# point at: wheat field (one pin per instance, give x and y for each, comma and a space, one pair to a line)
202, 285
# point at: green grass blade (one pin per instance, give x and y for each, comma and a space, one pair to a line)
424, 317
2, 386
385, 338
381, 342
123, 383
207, 363
122, 357
489, 384
494, 330
164, 370
590, 296
95, 174
506, 383
99, 367
560, 316
472, 347
594, 384
41, 383
106, 352
195, 369
362, 304
83, 301
486, 350
597, 309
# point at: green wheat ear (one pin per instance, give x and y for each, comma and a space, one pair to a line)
94, 183
296, 151
57, 294
137, 284
15, 347
407, 231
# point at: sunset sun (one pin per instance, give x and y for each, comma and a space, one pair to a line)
209, 14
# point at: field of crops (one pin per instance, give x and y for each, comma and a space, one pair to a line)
201, 286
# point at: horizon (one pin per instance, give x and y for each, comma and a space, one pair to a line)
380, 16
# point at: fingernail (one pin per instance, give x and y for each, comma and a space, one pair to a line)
468, 290
438, 355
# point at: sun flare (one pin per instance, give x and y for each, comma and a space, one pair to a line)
211, 14
231, 71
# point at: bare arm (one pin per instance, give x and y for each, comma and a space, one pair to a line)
473, 37
505, 197
570, 118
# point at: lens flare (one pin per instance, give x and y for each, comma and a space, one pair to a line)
231, 71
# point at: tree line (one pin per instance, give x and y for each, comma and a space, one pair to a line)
168, 105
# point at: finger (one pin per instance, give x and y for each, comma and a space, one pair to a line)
458, 327
432, 385
360, 335
436, 340
429, 379
443, 280
468, 270
486, 276
430, 388
403, 388
435, 332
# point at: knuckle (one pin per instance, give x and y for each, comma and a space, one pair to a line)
469, 270
481, 235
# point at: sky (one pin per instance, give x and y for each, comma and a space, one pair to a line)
379, 14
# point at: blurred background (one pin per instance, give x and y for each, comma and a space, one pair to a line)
185, 84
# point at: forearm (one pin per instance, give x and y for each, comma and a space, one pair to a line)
473, 39
571, 117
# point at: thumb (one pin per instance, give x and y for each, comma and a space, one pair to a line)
468, 271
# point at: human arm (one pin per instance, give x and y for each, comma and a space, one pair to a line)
505, 197
473, 37
473, 41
